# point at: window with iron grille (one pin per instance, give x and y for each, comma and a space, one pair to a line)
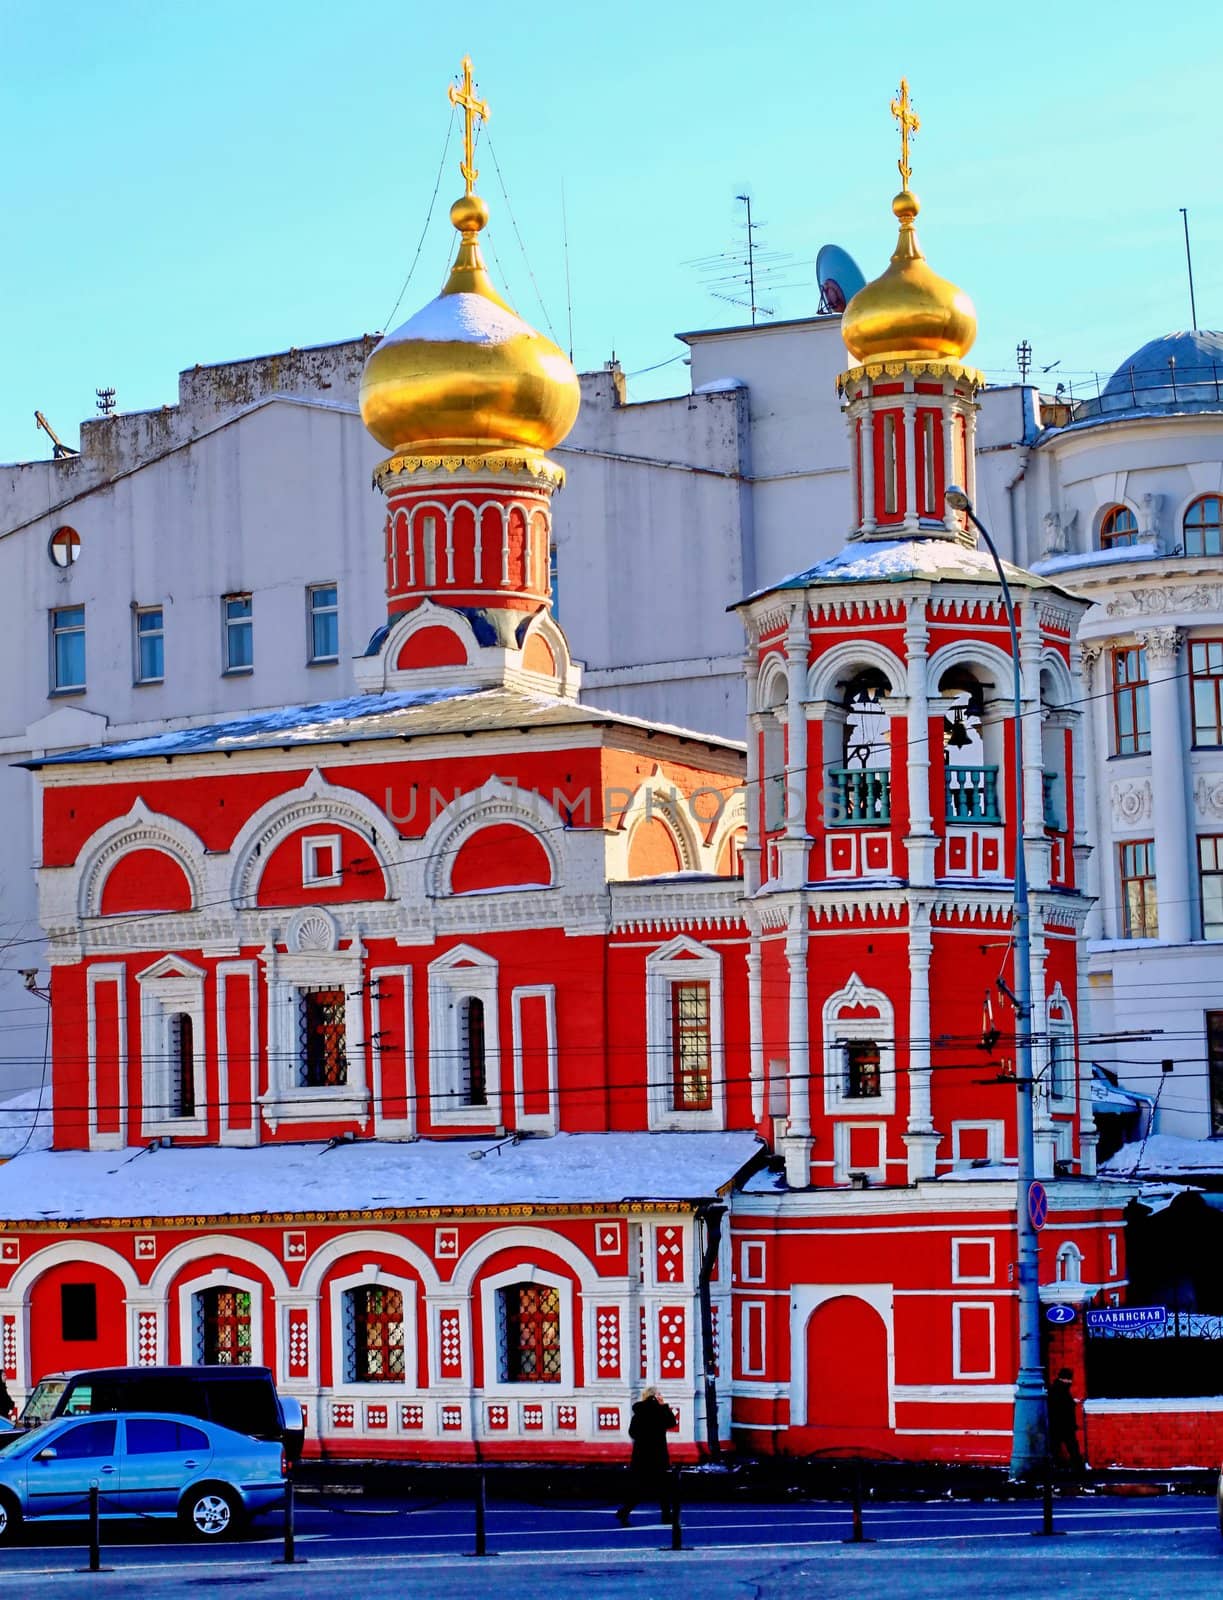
691, 1078
1119, 527
322, 1051
373, 1334
180, 1048
1139, 905
529, 1333
1204, 527
1131, 712
862, 1080
223, 1321
473, 1055
1206, 690
1210, 880
1214, 1060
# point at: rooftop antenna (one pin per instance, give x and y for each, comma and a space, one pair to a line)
749, 271
106, 401
1023, 359
1193, 310
59, 450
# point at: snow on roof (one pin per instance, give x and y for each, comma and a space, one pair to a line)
25, 1122
1165, 1154
1095, 558
400, 714
369, 1175
462, 318
894, 560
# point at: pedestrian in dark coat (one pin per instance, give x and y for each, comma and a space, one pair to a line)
650, 1467
6, 1400
1063, 1424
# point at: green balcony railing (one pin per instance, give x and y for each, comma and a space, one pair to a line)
858, 797
972, 794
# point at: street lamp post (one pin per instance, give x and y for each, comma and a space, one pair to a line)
1030, 1426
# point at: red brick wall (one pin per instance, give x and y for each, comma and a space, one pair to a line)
1147, 1438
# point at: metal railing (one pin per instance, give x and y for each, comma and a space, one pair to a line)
859, 797
972, 794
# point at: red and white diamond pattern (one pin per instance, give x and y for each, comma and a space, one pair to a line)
608, 1418
671, 1341
607, 1339
146, 1338
146, 1247
8, 1347
452, 1418
294, 1246
532, 1416
449, 1330
411, 1416
566, 1416
343, 1415
715, 1328
643, 1345
376, 1416
299, 1342
668, 1255
498, 1416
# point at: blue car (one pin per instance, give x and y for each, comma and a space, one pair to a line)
144, 1464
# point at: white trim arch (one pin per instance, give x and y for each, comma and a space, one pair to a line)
183, 1255
1061, 679
374, 1276
827, 678
568, 1311
681, 959
219, 1278
655, 797
310, 1285
1183, 509
545, 626
494, 802
978, 656
462, 975
15, 1300
314, 801
1101, 511
427, 615
527, 1239
731, 821
772, 684
839, 1031
805, 1301
139, 829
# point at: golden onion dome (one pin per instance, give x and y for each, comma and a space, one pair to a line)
909, 313
466, 376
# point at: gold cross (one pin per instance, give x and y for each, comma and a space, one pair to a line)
472, 108
909, 121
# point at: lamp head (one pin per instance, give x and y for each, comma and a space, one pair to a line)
956, 498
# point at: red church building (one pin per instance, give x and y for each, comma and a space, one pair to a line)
474, 1057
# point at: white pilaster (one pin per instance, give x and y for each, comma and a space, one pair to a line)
1036, 844
868, 471
1174, 877
909, 407
796, 1146
920, 842
921, 1141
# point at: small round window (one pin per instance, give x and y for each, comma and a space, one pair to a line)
64, 546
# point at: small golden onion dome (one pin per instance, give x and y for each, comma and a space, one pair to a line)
466, 376
909, 313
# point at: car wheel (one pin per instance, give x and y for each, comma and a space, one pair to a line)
10, 1519
211, 1512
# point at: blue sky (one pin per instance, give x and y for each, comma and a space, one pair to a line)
199, 182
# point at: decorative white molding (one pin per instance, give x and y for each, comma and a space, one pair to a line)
494, 802
1131, 801
1208, 796
312, 930
839, 1031
140, 829
1174, 598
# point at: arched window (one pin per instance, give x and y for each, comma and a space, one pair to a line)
1061, 1047
1203, 528
859, 1051
373, 1335
180, 1047
529, 1333
1069, 1263
971, 781
1118, 527
473, 1060
223, 1327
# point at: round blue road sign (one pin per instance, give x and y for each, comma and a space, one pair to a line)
1038, 1204
1059, 1313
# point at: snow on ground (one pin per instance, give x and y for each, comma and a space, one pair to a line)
369, 1175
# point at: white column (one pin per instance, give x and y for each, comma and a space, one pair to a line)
794, 846
920, 842
1045, 1146
909, 407
797, 1142
868, 470
1174, 876
1036, 845
755, 1029
921, 1140
951, 519
751, 848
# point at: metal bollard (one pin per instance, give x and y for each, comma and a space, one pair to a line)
95, 1530
857, 1531
290, 1558
481, 1511
1046, 1529
677, 1534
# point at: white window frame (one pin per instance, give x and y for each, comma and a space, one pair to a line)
958, 1308
533, 1122
167, 988
138, 634
313, 612
681, 961
220, 1278
464, 973
995, 1148
286, 1100
752, 1315
229, 625
59, 631
838, 1032
373, 1276
312, 846
753, 1261
1060, 1024
842, 1143
1068, 1264
958, 1272
494, 1385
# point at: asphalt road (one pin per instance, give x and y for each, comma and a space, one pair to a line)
1109, 1548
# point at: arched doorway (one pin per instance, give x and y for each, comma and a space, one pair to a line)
847, 1378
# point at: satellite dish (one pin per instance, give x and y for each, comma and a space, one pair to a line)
839, 277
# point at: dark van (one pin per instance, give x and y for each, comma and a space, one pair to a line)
241, 1398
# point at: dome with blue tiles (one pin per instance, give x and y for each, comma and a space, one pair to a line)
1178, 372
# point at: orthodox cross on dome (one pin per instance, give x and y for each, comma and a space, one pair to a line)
472, 108
910, 123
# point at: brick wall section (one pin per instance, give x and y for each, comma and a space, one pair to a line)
1154, 1435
